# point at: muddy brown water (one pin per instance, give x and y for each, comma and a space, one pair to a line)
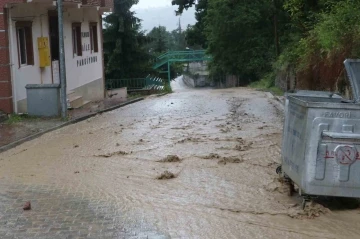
228, 141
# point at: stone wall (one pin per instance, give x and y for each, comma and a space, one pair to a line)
286, 80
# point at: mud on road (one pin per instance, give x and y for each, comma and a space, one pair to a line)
215, 152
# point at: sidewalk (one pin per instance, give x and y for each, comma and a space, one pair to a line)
24, 127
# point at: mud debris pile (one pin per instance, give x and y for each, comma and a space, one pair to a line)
170, 159
108, 155
166, 175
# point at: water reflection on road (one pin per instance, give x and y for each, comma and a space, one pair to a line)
223, 184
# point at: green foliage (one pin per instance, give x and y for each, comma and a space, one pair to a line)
135, 95
256, 39
17, 118
340, 27
240, 41
336, 32
125, 54
267, 84
167, 88
195, 35
183, 4
161, 41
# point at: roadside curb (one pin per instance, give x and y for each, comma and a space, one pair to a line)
74, 121
162, 94
278, 102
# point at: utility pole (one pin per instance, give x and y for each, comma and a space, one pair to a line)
169, 72
63, 99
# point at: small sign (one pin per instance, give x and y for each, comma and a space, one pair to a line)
345, 154
44, 51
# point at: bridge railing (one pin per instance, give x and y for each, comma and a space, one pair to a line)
172, 54
181, 56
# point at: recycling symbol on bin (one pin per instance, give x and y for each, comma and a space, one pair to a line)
345, 154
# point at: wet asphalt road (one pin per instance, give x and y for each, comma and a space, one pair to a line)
100, 178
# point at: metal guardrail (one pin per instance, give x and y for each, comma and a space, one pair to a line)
154, 83
136, 83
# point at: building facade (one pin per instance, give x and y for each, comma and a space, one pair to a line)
29, 49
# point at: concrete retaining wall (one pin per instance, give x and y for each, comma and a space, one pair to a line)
189, 81
120, 93
200, 81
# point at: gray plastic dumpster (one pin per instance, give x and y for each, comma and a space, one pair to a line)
43, 100
321, 141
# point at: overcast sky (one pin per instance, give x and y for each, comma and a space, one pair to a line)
161, 12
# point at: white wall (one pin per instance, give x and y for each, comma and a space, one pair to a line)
80, 75
21, 76
76, 75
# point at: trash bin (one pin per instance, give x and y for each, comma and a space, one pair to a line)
43, 100
321, 141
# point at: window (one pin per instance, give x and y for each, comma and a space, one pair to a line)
94, 37
76, 39
24, 43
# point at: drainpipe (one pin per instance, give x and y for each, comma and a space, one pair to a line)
62, 61
102, 52
169, 73
11, 59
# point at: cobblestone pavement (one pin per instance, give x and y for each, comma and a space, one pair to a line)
29, 126
215, 151
65, 213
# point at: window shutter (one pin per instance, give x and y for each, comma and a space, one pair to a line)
91, 37
73, 31
29, 46
78, 35
96, 43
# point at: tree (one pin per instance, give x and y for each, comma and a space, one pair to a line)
178, 37
240, 41
195, 35
159, 41
124, 43
257, 38
183, 5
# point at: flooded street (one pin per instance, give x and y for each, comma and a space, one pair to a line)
191, 164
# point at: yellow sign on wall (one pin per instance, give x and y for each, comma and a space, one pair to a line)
44, 51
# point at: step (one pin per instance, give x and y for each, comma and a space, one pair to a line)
71, 94
76, 101
86, 102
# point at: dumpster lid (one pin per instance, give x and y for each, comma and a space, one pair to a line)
316, 94
352, 67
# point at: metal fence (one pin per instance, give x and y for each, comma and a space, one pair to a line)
154, 83
136, 83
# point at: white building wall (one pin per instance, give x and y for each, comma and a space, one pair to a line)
79, 74
85, 78
31, 74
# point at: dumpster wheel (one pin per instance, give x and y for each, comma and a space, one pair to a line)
290, 184
291, 187
306, 199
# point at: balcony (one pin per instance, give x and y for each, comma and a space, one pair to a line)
104, 5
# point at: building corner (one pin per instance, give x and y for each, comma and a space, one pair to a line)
6, 97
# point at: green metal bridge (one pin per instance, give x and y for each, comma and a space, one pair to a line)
179, 56
157, 83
